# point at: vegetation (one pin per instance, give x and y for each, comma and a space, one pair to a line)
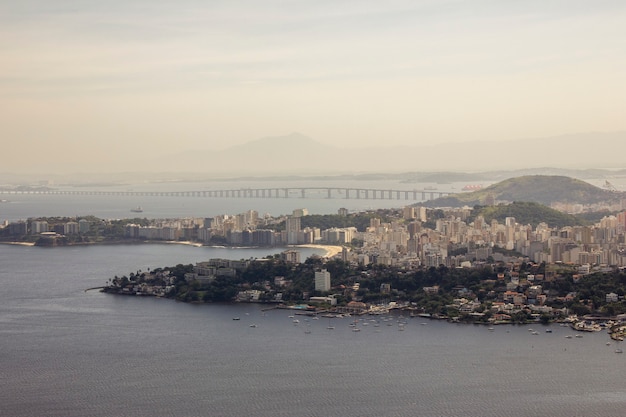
526, 213
542, 189
587, 295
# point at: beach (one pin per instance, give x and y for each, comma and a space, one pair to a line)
330, 249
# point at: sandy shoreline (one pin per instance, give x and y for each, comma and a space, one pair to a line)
330, 250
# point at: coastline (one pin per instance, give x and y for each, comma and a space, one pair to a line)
331, 250
18, 243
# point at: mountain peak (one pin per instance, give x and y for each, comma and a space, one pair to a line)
293, 139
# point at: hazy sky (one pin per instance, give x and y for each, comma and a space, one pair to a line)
84, 79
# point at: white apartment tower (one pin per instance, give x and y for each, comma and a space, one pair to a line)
322, 280
293, 229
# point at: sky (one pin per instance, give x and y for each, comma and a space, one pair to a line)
100, 83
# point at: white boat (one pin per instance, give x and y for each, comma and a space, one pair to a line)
618, 351
137, 209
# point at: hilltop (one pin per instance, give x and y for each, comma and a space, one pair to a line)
527, 213
542, 189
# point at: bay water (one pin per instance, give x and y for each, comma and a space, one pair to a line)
70, 352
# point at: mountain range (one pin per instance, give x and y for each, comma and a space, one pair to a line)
299, 154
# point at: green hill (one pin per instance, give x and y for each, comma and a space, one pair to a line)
542, 189
527, 213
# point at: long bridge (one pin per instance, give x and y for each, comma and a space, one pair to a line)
273, 192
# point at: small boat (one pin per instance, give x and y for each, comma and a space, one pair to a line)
579, 336
253, 325
331, 327
137, 209
618, 351
569, 336
548, 330
235, 318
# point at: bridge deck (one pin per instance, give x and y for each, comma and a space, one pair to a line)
273, 192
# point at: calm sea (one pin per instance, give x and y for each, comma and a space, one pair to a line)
67, 352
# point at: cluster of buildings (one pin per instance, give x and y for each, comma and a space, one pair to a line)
456, 242
244, 229
36, 227
404, 241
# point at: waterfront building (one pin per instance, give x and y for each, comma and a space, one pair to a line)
293, 229
83, 226
70, 228
37, 227
290, 256
322, 280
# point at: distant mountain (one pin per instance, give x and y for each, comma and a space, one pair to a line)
271, 143
298, 154
542, 189
293, 153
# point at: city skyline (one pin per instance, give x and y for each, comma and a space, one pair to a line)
95, 87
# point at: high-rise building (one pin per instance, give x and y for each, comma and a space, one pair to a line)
37, 227
83, 226
300, 212
290, 256
409, 213
322, 280
293, 229
70, 228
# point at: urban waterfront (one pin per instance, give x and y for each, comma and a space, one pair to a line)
67, 352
